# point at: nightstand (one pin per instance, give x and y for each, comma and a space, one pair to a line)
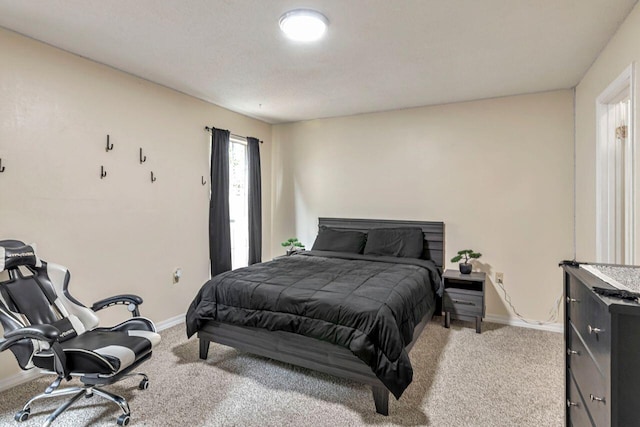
288, 255
463, 297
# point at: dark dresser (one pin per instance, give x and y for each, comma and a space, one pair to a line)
602, 353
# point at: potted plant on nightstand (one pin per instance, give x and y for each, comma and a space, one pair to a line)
466, 255
292, 244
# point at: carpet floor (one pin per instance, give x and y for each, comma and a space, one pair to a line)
506, 376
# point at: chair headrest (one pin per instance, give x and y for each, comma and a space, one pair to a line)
13, 255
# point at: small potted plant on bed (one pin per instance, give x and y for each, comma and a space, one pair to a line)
466, 255
292, 245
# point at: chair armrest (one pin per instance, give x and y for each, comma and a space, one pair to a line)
46, 333
133, 301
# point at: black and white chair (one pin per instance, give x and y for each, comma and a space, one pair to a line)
46, 328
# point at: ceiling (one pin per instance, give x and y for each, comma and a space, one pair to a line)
377, 55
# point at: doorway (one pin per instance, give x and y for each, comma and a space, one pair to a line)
615, 175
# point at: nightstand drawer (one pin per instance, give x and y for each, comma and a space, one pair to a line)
578, 416
591, 320
462, 302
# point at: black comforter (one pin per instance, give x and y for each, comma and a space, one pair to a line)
368, 304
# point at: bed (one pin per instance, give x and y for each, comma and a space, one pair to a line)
341, 311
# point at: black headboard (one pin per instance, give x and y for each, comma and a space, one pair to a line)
433, 232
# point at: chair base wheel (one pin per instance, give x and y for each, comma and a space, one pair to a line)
144, 384
123, 420
22, 415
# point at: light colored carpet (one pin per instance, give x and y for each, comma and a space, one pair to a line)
506, 376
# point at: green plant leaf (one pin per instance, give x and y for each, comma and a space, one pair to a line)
466, 254
292, 242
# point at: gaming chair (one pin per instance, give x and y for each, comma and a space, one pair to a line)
46, 328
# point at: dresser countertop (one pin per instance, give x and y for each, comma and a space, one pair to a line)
627, 276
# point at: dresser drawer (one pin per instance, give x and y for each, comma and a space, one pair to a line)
591, 320
576, 410
588, 377
469, 303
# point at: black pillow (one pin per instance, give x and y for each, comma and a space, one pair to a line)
331, 239
406, 242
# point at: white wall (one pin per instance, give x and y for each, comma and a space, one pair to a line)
622, 50
498, 172
120, 234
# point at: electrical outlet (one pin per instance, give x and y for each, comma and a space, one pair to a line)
500, 278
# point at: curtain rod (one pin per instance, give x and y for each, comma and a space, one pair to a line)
209, 129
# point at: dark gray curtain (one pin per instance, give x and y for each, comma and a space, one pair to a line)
255, 201
219, 227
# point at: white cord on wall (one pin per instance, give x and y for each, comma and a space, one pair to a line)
554, 312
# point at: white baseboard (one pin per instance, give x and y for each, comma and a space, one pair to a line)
26, 376
514, 321
168, 323
18, 378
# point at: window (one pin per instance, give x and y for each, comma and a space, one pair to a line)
615, 204
238, 203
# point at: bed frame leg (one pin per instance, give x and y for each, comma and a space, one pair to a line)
381, 399
204, 348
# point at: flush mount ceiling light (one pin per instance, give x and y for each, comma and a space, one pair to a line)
304, 25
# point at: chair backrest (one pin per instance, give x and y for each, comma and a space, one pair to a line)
36, 293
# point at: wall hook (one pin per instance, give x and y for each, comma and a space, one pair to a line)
142, 159
2, 168
203, 181
109, 147
153, 179
103, 173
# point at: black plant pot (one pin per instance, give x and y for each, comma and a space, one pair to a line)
465, 268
